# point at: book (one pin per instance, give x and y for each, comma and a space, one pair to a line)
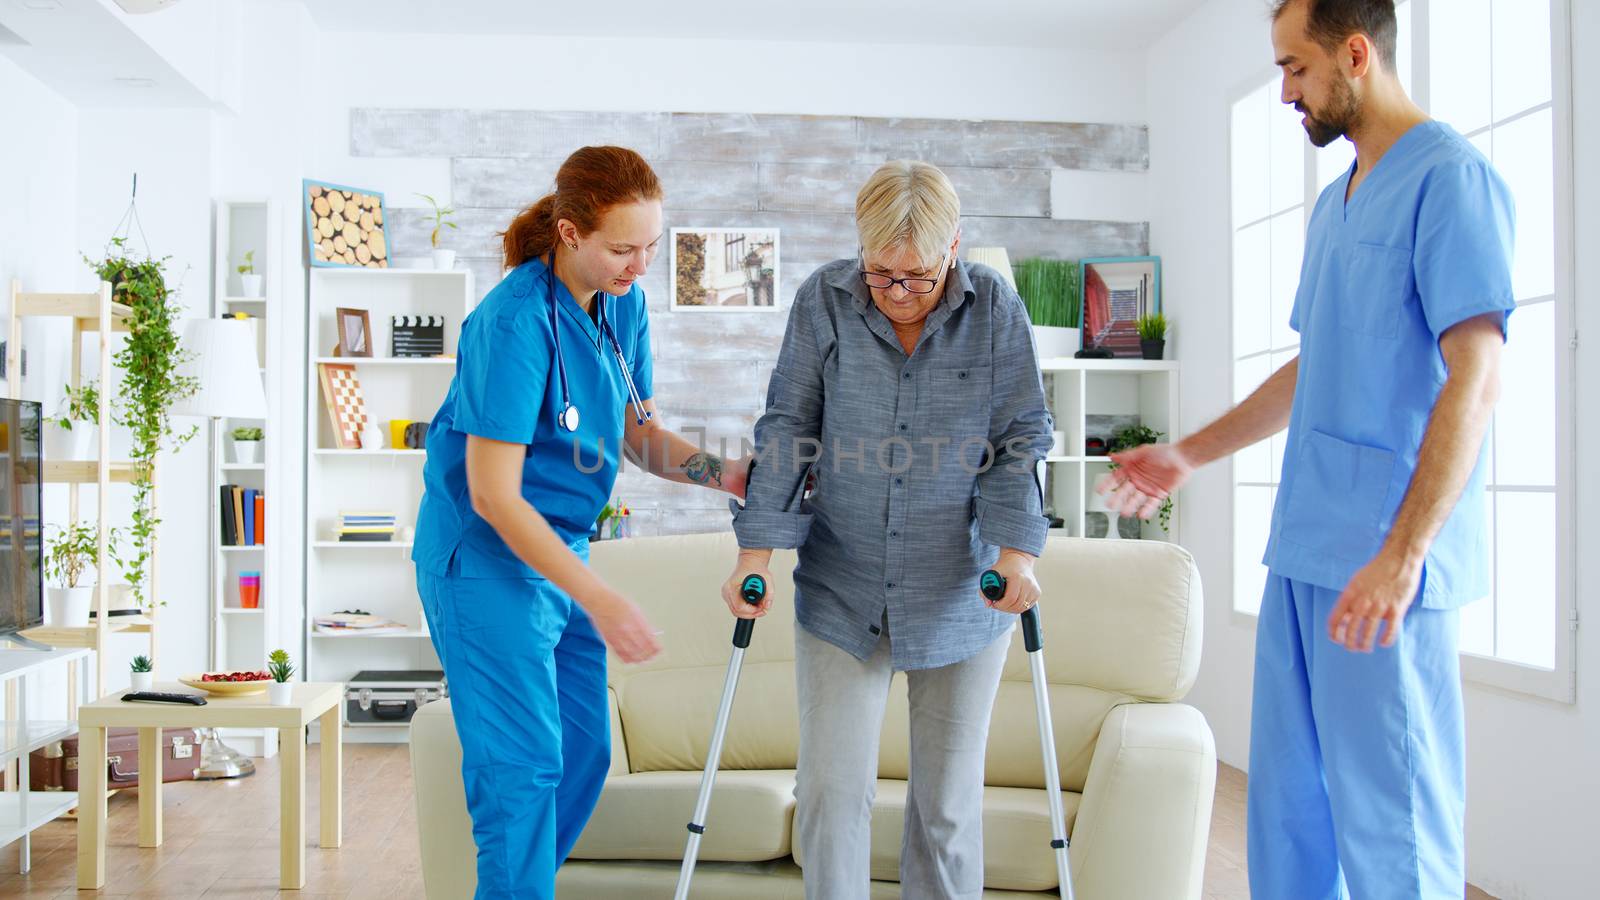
249, 496
230, 537
238, 515
369, 537
261, 518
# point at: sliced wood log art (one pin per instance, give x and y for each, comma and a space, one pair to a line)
344, 226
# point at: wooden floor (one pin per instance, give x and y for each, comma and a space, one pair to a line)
222, 841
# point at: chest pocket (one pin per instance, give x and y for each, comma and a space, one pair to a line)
958, 402
1377, 288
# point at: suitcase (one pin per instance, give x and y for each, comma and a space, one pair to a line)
390, 698
55, 768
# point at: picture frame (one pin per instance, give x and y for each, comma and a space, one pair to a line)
355, 332
1116, 291
337, 240
720, 269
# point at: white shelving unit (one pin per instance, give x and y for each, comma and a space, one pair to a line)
242, 638
1076, 389
373, 577
23, 810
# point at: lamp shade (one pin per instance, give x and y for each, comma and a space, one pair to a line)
223, 363
995, 258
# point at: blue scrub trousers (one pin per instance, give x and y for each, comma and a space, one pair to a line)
1357, 780
527, 674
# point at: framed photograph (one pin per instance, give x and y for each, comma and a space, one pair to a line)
344, 226
355, 332
1118, 290
724, 269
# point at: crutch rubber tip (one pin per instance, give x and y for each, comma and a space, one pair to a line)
697, 829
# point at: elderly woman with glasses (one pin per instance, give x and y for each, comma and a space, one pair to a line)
899, 454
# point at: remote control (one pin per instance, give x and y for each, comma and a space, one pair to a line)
163, 697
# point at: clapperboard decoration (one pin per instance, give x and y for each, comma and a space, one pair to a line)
416, 335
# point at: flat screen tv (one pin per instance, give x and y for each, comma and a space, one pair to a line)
21, 498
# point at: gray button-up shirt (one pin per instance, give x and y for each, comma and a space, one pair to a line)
925, 464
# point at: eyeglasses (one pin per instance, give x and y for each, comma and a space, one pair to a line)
912, 285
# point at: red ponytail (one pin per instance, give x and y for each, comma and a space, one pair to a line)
588, 184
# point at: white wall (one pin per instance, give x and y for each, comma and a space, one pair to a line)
1533, 782
693, 76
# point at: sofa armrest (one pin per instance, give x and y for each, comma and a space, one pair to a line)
1142, 828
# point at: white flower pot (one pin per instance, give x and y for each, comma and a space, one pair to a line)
69, 607
142, 681
246, 452
1055, 343
64, 444
251, 284
444, 259
281, 693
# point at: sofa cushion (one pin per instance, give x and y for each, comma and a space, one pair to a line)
645, 816
1016, 836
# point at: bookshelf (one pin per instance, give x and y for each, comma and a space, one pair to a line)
1092, 397
375, 577
241, 638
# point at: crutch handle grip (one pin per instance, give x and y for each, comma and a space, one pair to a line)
753, 589
993, 586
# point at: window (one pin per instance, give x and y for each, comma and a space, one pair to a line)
1492, 73
733, 253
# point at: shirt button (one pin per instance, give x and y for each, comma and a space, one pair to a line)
963, 375
899, 481
891, 585
902, 426
908, 376
894, 534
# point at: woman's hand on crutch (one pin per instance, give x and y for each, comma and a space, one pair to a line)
1022, 589
750, 562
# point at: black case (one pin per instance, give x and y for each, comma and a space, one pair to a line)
390, 697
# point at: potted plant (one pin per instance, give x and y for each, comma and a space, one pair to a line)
248, 279
69, 558
1050, 290
141, 674
281, 691
440, 217
1152, 329
247, 445
1134, 436
149, 359
81, 407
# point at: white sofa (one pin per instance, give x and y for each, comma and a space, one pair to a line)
1121, 621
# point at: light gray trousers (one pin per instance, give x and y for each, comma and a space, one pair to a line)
842, 701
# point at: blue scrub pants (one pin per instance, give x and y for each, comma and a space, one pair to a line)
527, 674
1357, 781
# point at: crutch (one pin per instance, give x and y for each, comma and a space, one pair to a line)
993, 585
753, 590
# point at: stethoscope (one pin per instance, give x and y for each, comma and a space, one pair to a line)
567, 416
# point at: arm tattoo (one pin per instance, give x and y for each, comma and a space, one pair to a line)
703, 468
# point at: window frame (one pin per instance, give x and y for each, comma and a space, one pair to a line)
1558, 683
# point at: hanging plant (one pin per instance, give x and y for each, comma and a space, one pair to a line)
149, 360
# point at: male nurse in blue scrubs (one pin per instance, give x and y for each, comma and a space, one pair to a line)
553, 378
1357, 786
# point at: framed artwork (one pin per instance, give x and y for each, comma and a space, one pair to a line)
344, 226
347, 408
355, 332
724, 269
1118, 290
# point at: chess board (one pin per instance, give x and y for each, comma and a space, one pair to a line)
347, 408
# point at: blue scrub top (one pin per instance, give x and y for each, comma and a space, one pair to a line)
1424, 244
506, 388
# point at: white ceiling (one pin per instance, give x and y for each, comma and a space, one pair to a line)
1079, 24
